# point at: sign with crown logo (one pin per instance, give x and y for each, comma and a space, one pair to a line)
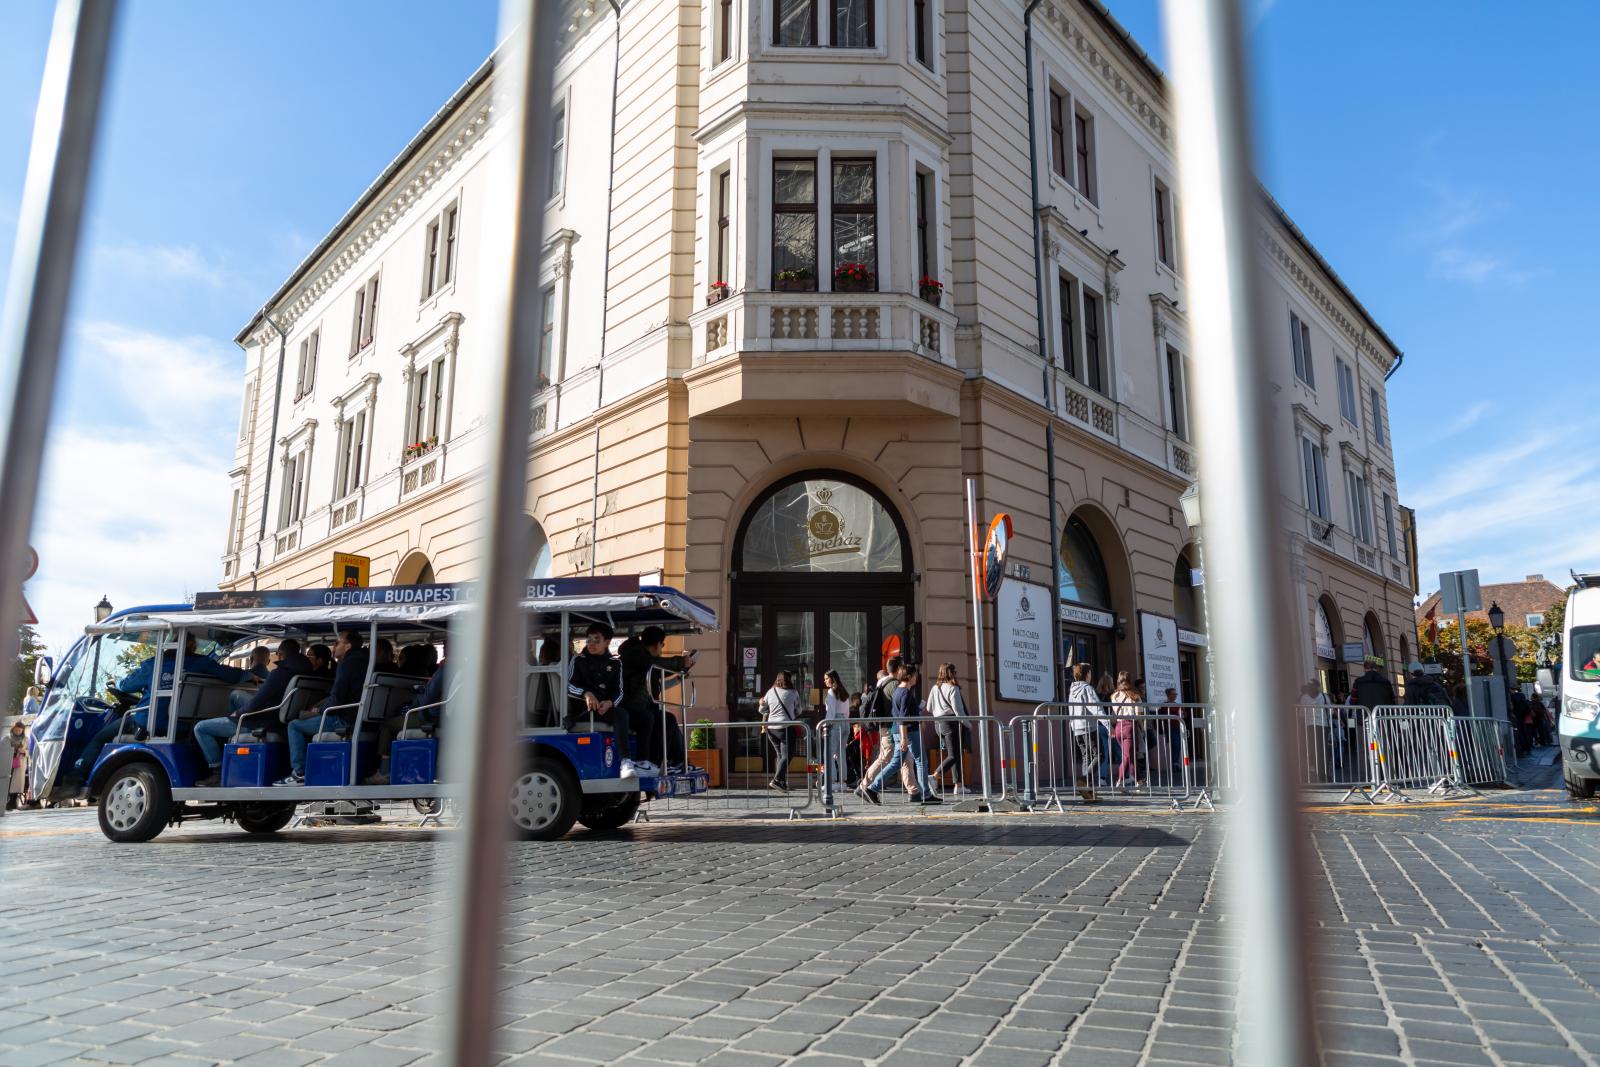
1024, 650
1159, 638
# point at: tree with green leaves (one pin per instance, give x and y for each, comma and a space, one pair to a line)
29, 649
1480, 635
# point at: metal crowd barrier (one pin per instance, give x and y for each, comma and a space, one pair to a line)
1169, 752
744, 756
1432, 749
851, 751
1333, 750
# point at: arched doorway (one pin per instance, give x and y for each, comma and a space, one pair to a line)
822, 579
415, 569
543, 563
1088, 618
1189, 611
1325, 643
1372, 639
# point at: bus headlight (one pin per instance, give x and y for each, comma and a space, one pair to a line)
1573, 708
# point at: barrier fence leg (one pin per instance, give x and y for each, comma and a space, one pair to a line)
1202, 798
1362, 789
1028, 753
1456, 782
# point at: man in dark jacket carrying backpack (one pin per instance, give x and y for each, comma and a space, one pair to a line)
1372, 689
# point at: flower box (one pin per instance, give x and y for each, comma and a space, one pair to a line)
795, 281
419, 448
710, 761
930, 289
854, 278
718, 292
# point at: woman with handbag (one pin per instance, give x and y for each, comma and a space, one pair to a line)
781, 709
949, 709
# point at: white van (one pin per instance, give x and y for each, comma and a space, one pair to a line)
1580, 687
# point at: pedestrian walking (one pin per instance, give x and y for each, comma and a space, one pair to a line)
907, 728
835, 723
1125, 701
15, 755
948, 708
781, 706
881, 706
1108, 746
1083, 702
1161, 738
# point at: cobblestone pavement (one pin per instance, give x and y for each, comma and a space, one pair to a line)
1461, 933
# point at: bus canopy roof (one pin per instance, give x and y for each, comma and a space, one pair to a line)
619, 600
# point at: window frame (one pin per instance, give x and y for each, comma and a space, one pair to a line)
1390, 535
1060, 152
838, 210
923, 184
1095, 370
1300, 341
1360, 506
1346, 378
1068, 320
1083, 129
560, 124
246, 409
1177, 393
722, 30
799, 208
305, 380
1166, 225
545, 368
814, 22
922, 33
363, 327
1376, 399
722, 234
1314, 467
833, 25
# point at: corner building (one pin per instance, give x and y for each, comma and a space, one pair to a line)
791, 448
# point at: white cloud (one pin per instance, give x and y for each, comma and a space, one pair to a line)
165, 262
134, 507
1466, 420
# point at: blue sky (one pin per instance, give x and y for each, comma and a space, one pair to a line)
1436, 153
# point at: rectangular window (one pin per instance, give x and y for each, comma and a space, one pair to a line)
451, 215
357, 466
233, 524
855, 224
922, 30
1058, 134
926, 267
366, 312
1093, 357
547, 335
1533, 621
1388, 526
796, 23
1377, 414
1347, 391
436, 402
292, 504
1165, 248
245, 409
1177, 394
724, 49
1067, 299
306, 374
352, 451
852, 24
1083, 145
430, 261
558, 150
794, 224
1360, 507
1314, 461
719, 269
419, 405
1300, 340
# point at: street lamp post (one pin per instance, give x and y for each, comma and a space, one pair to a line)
1190, 502
1497, 620
103, 610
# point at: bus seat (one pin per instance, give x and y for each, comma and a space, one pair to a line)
204, 698
304, 691
387, 694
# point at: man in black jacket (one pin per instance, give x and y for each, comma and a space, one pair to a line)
641, 695
594, 689
1372, 689
210, 734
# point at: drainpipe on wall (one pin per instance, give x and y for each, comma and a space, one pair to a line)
272, 442
1047, 369
605, 291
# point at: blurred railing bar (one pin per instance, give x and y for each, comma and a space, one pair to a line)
1247, 570
490, 644
42, 265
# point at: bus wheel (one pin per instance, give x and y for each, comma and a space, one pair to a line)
135, 803
544, 800
429, 805
609, 811
263, 818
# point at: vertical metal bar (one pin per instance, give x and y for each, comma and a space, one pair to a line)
1249, 574
492, 639
977, 627
42, 265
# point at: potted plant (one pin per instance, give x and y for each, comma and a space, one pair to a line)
719, 291
420, 448
853, 278
931, 289
703, 752
796, 280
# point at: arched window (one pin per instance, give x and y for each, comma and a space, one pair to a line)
821, 525
542, 562
415, 569
1186, 606
1371, 638
1083, 569
1326, 648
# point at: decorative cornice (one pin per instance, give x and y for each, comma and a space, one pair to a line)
1151, 117
368, 381
383, 216
1305, 418
1060, 234
1358, 336
1166, 318
308, 428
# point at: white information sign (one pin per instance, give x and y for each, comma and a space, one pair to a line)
1024, 645
1159, 641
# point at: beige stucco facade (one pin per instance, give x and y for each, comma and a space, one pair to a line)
668, 417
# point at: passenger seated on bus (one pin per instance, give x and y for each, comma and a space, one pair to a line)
260, 667
348, 679
383, 653
419, 660
139, 681
288, 664
321, 657
430, 698
641, 694
594, 688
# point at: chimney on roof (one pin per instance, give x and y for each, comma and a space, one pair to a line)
1535, 578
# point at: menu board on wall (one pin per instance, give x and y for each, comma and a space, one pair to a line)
1159, 646
1024, 646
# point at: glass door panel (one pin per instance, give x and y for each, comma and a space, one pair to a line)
796, 652
746, 755
894, 639
847, 648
